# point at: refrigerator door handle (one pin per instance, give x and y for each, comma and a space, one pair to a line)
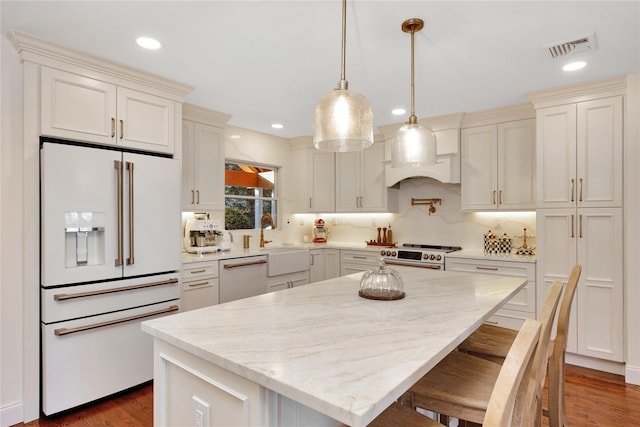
130, 259
118, 166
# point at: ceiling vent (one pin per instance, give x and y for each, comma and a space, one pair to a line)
571, 46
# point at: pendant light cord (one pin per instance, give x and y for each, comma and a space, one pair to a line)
412, 117
343, 84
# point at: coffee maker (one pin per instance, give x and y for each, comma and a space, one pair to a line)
200, 235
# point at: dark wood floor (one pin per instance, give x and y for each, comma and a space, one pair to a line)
593, 399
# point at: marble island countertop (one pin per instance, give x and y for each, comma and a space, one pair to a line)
323, 346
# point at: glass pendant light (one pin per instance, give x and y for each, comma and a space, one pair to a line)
342, 120
414, 145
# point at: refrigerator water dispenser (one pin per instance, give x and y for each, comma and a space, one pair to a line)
84, 238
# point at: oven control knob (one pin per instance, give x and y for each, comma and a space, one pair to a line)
432, 257
425, 256
393, 253
382, 253
388, 253
438, 257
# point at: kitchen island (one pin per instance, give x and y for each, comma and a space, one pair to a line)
314, 355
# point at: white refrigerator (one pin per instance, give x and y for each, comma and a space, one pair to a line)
110, 258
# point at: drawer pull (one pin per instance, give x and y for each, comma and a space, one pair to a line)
63, 297
490, 322
245, 264
198, 271
486, 268
359, 257
64, 331
193, 285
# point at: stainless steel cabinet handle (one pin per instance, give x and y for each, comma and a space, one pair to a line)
500, 198
493, 198
359, 257
118, 166
197, 197
113, 127
64, 297
309, 202
193, 285
193, 194
121, 129
131, 259
573, 184
245, 264
65, 331
197, 271
313, 258
490, 322
486, 268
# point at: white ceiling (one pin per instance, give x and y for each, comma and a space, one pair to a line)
271, 61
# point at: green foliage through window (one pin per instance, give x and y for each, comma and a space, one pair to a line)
250, 192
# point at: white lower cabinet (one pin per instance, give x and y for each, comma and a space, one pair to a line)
200, 285
593, 238
357, 261
323, 264
285, 281
522, 305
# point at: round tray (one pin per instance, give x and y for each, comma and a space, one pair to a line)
381, 295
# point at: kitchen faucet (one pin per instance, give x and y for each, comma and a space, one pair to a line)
266, 219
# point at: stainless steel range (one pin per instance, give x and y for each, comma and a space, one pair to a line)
418, 255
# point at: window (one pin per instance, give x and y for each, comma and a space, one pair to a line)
250, 192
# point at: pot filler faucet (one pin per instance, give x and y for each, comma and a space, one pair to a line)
266, 219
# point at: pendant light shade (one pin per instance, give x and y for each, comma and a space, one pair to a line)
414, 145
342, 119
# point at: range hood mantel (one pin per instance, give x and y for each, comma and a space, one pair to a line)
447, 170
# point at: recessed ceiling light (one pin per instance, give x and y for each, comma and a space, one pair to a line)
277, 126
398, 111
234, 136
573, 66
148, 43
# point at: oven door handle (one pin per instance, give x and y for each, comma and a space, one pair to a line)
410, 264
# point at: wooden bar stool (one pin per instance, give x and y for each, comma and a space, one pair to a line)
493, 343
461, 384
505, 396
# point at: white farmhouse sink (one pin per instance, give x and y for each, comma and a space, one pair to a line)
286, 260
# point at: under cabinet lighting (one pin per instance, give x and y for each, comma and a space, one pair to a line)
277, 125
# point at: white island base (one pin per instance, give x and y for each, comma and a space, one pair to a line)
190, 391
314, 355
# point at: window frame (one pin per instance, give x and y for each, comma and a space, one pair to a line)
258, 206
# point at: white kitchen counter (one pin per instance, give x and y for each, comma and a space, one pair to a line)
239, 253
480, 254
324, 347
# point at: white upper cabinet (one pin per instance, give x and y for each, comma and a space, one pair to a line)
498, 166
579, 153
360, 181
86, 109
314, 173
202, 166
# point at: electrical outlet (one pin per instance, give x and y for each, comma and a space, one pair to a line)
200, 412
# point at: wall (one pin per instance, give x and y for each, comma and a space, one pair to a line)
11, 297
413, 224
